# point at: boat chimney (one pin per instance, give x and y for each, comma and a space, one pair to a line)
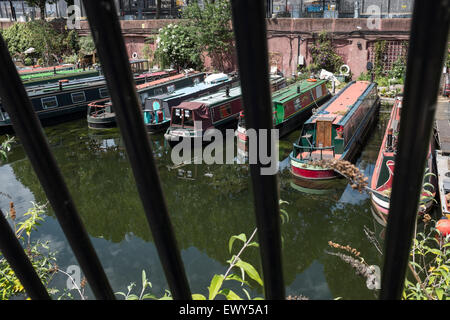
60, 85
298, 89
227, 91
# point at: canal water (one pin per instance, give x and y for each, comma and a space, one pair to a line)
207, 204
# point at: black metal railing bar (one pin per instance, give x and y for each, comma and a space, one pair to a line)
111, 50
28, 128
429, 36
249, 27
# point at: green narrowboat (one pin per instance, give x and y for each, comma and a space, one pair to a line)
335, 131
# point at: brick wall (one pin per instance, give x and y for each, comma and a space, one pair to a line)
353, 39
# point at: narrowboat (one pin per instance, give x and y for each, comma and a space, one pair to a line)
383, 174
66, 99
101, 115
291, 106
336, 130
157, 108
191, 119
144, 91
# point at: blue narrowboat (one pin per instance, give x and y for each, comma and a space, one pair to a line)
101, 113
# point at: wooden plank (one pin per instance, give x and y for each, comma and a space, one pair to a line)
323, 133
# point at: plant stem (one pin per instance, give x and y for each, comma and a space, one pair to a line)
239, 253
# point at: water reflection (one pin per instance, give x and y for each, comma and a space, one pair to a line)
207, 205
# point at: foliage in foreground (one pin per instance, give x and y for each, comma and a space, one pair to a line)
238, 270
38, 252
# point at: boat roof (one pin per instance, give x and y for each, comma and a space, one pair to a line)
164, 80
217, 97
338, 107
71, 84
185, 91
50, 73
216, 77
78, 83
190, 105
289, 92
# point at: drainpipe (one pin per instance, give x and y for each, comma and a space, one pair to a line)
356, 13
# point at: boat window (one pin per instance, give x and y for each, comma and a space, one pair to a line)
158, 91
171, 88
177, 118
103, 93
78, 97
225, 111
196, 80
188, 119
49, 102
318, 92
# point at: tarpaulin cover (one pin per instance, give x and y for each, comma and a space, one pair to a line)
200, 111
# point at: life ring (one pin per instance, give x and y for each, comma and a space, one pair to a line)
311, 80
347, 69
134, 55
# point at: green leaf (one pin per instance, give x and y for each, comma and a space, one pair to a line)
415, 264
241, 237
439, 293
229, 294
236, 277
149, 296
253, 244
250, 270
216, 284
144, 279
197, 296
132, 297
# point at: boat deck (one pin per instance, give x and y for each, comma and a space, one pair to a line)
343, 103
317, 155
443, 124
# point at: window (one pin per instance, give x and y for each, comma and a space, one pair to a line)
49, 102
103, 93
78, 97
225, 111
171, 88
188, 119
158, 91
177, 117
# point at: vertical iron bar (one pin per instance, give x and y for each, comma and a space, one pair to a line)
19, 262
428, 41
106, 32
251, 42
28, 128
